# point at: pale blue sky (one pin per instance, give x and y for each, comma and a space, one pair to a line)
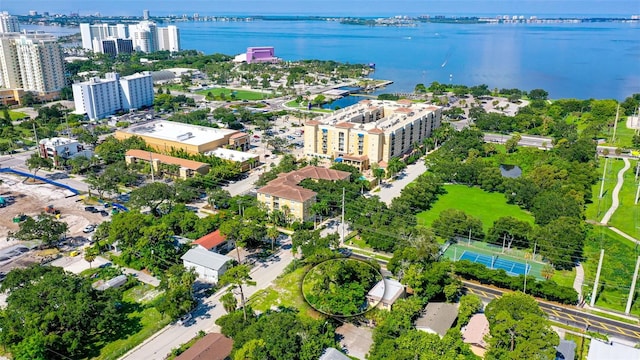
332, 7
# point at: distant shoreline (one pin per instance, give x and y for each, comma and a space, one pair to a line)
73, 21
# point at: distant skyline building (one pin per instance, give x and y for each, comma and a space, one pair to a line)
259, 54
99, 98
8, 23
145, 36
145, 14
32, 62
115, 46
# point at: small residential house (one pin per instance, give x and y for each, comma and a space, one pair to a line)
474, 332
333, 354
212, 346
112, 283
385, 293
437, 318
208, 265
215, 242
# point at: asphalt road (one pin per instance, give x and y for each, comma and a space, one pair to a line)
390, 190
566, 315
161, 343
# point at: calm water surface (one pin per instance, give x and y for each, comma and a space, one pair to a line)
600, 60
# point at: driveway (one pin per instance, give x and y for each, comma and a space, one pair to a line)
390, 190
159, 345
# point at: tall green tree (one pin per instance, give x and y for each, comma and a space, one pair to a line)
43, 227
508, 231
238, 277
519, 329
36, 162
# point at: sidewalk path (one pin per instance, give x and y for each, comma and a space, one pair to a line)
616, 191
159, 345
625, 235
577, 282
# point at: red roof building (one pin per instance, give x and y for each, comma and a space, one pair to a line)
211, 241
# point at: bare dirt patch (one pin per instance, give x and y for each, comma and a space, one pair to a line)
32, 198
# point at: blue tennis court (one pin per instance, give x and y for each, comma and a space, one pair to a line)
495, 262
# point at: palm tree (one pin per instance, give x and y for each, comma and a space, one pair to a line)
229, 302
273, 233
238, 276
547, 271
395, 166
90, 255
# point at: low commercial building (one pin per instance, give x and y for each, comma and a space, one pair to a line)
284, 194
261, 54
165, 135
208, 265
385, 293
437, 318
333, 354
372, 131
246, 161
183, 168
63, 148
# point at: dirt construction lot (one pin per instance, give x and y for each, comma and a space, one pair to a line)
31, 199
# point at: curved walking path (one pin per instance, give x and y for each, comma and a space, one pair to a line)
616, 191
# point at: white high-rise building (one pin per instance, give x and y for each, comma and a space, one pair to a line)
92, 35
32, 62
145, 14
145, 36
8, 23
99, 98
169, 38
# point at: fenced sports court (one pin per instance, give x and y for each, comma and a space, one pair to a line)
512, 262
495, 262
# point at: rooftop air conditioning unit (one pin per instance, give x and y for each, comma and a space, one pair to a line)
185, 136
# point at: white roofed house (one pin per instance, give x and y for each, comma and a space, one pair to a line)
208, 265
385, 293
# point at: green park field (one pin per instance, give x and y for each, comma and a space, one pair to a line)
627, 216
617, 268
239, 94
488, 207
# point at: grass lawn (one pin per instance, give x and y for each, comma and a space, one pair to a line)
564, 277
145, 319
15, 115
626, 216
240, 94
617, 268
303, 106
582, 345
286, 291
488, 207
596, 210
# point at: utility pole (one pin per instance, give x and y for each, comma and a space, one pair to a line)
604, 171
343, 215
633, 287
469, 237
504, 239
535, 244
615, 125
151, 165
595, 285
526, 267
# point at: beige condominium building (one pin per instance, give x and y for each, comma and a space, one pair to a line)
372, 131
284, 193
165, 135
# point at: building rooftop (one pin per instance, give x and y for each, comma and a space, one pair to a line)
475, 330
206, 258
211, 240
56, 141
211, 347
437, 318
136, 75
333, 354
362, 116
179, 132
386, 290
566, 350
232, 155
599, 350
286, 185
166, 159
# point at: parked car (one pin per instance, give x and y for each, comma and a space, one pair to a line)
89, 228
184, 319
104, 213
91, 209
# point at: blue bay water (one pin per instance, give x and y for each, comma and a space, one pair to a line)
599, 60
587, 60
